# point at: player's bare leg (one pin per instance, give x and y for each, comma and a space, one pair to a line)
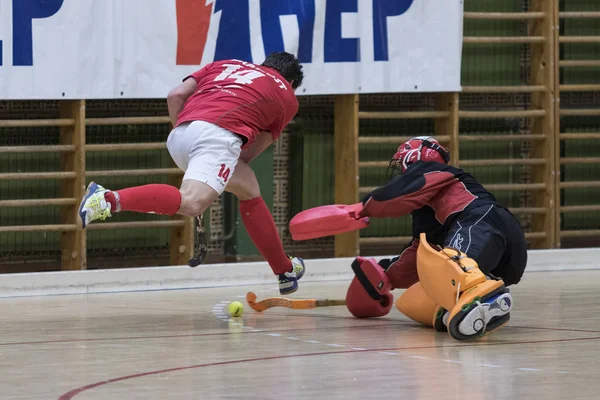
196, 197
262, 229
207, 154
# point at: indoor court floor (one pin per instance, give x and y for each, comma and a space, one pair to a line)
180, 344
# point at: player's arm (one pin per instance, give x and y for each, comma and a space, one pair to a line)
182, 92
407, 192
178, 96
262, 141
266, 138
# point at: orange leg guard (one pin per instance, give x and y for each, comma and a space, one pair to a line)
455, 283
416, 305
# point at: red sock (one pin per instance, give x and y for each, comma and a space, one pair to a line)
261, 227
157, 199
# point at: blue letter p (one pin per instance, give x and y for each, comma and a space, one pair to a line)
24, 12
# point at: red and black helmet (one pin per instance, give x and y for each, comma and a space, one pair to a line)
420, 148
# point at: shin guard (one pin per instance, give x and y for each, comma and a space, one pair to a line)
455, 283
416, 305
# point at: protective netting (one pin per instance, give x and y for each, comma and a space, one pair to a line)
128, 241
139, 245
576, 148
16, 246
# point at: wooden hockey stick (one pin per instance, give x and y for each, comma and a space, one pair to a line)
300, 304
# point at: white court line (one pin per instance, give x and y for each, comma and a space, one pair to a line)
312, 341
453, 361
389, 353
419, 357
335, 345
490, 365
528, 369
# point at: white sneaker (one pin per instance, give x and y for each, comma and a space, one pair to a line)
476, 321
93, 205
288, 282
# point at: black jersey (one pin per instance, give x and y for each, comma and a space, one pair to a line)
434, 194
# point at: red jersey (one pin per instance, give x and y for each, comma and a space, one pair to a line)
241, 97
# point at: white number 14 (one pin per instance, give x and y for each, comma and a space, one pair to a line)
245, 76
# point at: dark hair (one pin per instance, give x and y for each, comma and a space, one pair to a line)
287, 65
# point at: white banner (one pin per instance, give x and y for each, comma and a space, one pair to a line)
89, 49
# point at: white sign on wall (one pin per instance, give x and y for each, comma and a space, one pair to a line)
86, 49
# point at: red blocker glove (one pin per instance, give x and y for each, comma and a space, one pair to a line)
361, 305
327, 220
369, 293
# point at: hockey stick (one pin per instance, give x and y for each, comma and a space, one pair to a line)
200, 249
300, 304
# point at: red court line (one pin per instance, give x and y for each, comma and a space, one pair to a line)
72, 393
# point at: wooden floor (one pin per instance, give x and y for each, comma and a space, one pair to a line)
179, 345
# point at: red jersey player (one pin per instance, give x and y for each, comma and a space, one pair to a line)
224, 115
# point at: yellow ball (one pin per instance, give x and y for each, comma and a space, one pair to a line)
236, 309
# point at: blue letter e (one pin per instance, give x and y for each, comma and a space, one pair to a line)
337, 48
24, 12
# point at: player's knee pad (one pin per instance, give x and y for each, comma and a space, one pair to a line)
361, 305
455, 282
368, 294
416, 305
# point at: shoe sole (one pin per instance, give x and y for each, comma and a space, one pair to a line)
88, 193
290, 290
294, 287
473, 323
